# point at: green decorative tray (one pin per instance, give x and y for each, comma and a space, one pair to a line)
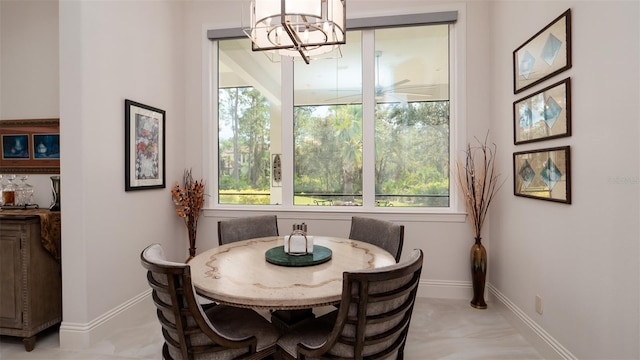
277, 256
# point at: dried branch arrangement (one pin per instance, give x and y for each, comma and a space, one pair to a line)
189, 199
479, 181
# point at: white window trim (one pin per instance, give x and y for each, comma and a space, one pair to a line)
456, 212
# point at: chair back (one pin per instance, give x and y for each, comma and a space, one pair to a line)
247, 228
187, 331
384, 234
374, 315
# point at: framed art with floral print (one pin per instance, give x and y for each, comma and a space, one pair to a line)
30, 146
144, 146
543, 174
543, 115
544, 55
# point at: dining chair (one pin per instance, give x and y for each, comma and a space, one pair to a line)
195, 331
384, 234
247, 228
371, 322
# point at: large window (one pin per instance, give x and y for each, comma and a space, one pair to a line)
412, 116
249, 110
327, 128
370, 129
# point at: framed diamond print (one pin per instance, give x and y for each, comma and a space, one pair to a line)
546, 54
543, 115
543, 174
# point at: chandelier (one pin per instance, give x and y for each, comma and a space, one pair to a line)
302, 29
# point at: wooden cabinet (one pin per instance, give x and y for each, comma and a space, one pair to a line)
30, 280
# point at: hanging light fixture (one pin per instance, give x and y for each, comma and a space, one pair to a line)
297, 28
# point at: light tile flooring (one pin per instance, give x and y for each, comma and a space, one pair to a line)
440, 329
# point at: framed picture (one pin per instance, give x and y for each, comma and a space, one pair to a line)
144, 147
543, 115
543, 174
30, 146
546, 54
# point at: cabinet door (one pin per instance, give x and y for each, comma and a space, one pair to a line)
10, 276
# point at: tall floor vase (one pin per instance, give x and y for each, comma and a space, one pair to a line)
478, 273
191, 230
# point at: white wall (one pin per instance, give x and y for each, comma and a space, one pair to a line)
111, 51
29, 64
582, 259
29, 69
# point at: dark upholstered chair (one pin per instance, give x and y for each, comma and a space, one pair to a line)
247, 228
193, 332
381, 233
372, 321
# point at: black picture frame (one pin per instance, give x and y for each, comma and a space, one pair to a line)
543, 115
144, 146
544, 55
543, 174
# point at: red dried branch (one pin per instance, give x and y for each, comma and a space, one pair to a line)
189, 199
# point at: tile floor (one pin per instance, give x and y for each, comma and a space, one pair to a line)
440, 329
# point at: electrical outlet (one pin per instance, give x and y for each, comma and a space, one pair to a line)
539, 304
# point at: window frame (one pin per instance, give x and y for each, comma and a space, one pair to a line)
457, 125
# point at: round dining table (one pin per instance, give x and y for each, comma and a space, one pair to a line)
239, 274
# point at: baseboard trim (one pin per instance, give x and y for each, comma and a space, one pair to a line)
444, 289
546, 344
84, 335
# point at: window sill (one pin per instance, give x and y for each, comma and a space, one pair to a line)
338, 213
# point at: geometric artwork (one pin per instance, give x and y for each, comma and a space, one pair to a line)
526, 173
543, 115
544, 55
550, 174
526, 64
543, 174
551, 49
551, 111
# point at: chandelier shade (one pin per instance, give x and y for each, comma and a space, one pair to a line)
297, 28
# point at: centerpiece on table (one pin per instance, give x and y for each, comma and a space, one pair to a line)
479, 182
189, 198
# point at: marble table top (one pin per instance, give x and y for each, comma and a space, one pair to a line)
238, 273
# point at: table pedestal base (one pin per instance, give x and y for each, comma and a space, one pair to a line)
286, 320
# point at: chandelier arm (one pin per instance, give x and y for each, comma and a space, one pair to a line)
296, 41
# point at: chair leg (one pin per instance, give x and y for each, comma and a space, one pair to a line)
401, 352
283, 355
165, 352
